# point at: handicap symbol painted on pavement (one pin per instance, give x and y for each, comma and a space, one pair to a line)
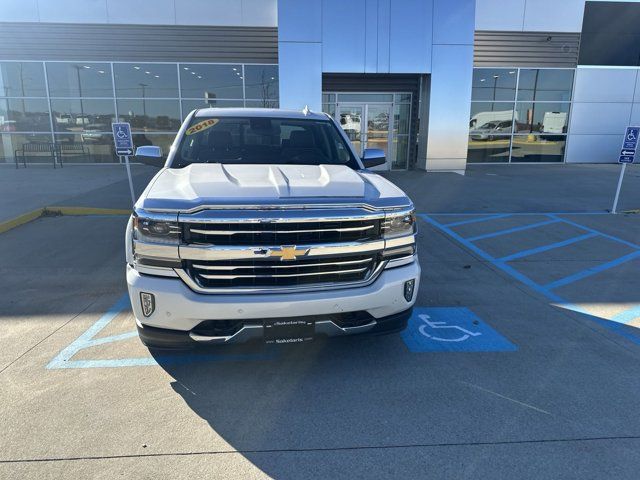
451, 329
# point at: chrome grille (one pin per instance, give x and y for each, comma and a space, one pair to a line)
273, 272
281, 233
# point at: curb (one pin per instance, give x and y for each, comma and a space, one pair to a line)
56, 212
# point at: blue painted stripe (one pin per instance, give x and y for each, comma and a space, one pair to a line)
501, 265
512, 230
628, 315
545, 248
602, 234
618, 328
591, 271
475, 220
468, 214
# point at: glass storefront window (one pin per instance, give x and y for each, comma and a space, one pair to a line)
489, 150
22, 79
149, 115
400, 151
211, 81
491, 117
261, 82
189, 105
541, 117
9, 143
24, 115
87, 147
552, 85
146, 80
161, 140
401, 118
494, 84
79, 79
365, 97
538, 148
75, 115
402, 97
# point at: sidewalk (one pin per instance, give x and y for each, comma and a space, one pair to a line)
102, 186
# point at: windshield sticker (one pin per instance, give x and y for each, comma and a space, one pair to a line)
200, 126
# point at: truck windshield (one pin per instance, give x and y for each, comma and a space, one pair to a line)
262, 140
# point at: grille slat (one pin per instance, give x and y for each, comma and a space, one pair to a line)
282, 233
271, 268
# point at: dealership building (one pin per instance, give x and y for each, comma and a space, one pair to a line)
437, 84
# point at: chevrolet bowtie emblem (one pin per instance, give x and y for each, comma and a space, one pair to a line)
289, 252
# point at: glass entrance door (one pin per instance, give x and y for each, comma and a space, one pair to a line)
367, 126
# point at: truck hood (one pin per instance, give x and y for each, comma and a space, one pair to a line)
214, 184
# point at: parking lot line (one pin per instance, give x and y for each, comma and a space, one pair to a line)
602, 234
544, 248
512, 230
544, 290
591, 271
477, 219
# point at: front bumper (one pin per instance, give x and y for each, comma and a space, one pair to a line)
179, 310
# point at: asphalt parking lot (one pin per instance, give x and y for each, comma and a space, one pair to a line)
521, 360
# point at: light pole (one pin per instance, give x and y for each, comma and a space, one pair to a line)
144, 102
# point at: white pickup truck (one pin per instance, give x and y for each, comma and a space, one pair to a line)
265, 224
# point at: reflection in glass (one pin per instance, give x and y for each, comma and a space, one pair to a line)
145, 115
401, 151
378, 127
261, 103
22, 79
494, 84
328, 98
401, 118
366, 97
211, 81
495, 150
144, 80
261, 82
329, 108
189, 105
86, 148
24, 115
493, 117
350, 119
552, 85
9, 143
79, 79
75, 115
541, 117
402, 97
161, 140
538, 148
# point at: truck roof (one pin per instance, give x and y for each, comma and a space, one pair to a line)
259, 112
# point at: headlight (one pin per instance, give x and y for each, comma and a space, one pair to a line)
155, 231
399, 225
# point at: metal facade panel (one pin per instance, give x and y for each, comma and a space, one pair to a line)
81, 11
507, 15
301, 75
593, 148
599, 118
553, 15
159, 12
343, 36
55, 41
410, 35
384, 17
20, 11
371, 37
605, 84
526, 49
299, 21
453, 22
450, 102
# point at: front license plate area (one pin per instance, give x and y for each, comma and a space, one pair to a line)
290, 330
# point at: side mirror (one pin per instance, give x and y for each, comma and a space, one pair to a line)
149, 151
373, 157
150, 155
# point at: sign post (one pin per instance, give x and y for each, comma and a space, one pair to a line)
124, 147
627, 155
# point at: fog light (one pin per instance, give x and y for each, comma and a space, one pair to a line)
148, 302
408, 289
